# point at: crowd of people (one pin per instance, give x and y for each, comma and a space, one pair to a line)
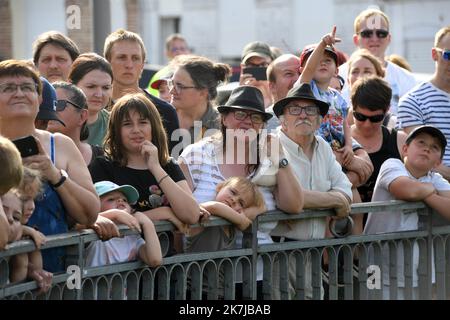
83, 146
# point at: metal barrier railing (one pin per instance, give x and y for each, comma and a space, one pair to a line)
232, 274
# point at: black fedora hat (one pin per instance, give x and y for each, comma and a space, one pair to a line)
246, 98
302, 92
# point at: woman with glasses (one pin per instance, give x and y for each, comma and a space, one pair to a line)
69, 195
370, 98
93, 75
193, 87
238, 151
72, 110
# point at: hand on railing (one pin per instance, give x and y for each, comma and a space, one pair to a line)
105, 228
43, 278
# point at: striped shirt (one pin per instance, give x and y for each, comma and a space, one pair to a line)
426, 104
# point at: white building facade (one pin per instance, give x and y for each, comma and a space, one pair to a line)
219, 29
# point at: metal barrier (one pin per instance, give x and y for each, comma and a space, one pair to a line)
232, 274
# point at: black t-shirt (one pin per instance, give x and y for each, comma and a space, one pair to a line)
169, 117
150, 194
389, 149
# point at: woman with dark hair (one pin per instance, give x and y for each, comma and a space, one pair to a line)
193, 86
93, 74
371, 97
72, 109
138, 155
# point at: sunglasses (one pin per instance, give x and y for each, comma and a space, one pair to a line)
374, 119
62, 104
381, 34
445, 53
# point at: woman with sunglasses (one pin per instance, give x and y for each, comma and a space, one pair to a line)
68, 194
93, 75
370, 98
71, 106
193, 87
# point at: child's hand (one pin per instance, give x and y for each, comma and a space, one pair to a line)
150, 154
330, 39
129, 220
347, 155
204, 215
38, 237
105, 228
43, 279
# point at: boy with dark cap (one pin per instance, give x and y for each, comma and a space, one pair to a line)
47, 108
414, 179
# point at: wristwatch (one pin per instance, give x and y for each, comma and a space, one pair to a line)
283, 163
61, 180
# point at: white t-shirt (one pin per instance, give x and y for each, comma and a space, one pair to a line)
385, 222
400, 80
116, 250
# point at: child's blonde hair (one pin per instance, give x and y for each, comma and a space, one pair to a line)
245, 186
11, 163
30, 176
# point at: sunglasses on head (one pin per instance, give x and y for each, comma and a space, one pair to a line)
445, 53
374, 119
379, 32
62, 104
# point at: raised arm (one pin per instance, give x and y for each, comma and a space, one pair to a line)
314, 59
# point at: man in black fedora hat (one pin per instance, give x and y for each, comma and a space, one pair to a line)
320, 175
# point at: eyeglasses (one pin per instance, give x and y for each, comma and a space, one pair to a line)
374, 119
379, 32
11, 88
445, 53
62, 104
309, 110
256, 118
178, 87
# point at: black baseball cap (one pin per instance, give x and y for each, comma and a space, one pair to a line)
432, 131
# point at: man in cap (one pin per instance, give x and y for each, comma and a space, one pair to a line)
257, 56
413, 179
320, 175
47, 108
